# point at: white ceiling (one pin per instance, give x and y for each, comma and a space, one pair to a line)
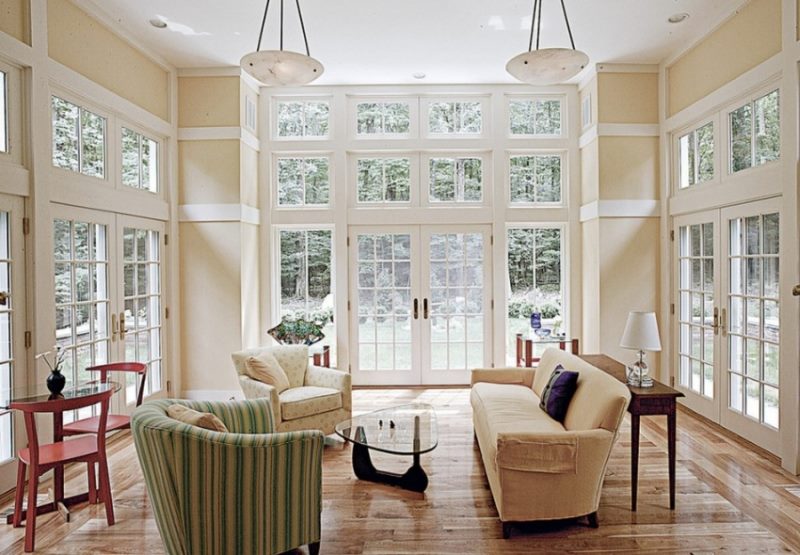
378, 41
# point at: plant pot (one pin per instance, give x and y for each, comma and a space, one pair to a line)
56, 382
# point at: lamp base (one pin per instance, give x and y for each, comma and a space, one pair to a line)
639, 373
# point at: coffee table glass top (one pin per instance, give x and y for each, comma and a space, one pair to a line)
414, 429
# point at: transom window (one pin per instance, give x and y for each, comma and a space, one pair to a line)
455, 180
535, 178
303, 119
3, 113
755, 132
535, 117
455, 118
139, 161
303, 181
79, 142
384, 180
696, 156
383, 118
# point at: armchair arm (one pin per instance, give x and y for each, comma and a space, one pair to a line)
518, 376
254, 389
555, 453
335, 379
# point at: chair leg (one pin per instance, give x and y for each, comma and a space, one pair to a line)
105, 490
19, 494
30, 514
313, 548
92, 482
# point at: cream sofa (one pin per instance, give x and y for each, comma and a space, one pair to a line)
317, 399
539, 469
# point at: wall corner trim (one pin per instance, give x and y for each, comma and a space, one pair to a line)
232, 133
628, 208
242, 213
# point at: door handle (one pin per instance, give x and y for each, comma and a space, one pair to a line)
425, 308
3, 298
796, 290
416, 309
113, 327
122, 329
715, 325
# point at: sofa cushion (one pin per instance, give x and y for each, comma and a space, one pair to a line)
298, 402
294, 361
558, 392
265, 369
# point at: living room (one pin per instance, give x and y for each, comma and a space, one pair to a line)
377, 244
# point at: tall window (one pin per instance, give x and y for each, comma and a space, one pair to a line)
455, 180
79, 139
139, 161
455, 118
755, 132
306, 280
535, 284
384, 180
696, 156
303, 119
303, 181
81, 295
383, 118
535, 178
535, 117
3, 112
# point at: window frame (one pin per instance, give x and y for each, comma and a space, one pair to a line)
509, 98
486, 116
413, 182
563, 154
413, 114
160, 164
273, 123
303, 154
487, 191
109, 137
14, 153
676, 146
744, 100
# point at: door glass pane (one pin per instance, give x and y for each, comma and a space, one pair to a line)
696, 314
383, 293
753, 327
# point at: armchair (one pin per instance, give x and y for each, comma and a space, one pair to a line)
317, 398
245, 491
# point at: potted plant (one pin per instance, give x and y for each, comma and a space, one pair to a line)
295, 330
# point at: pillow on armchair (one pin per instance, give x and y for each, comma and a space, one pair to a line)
266, 369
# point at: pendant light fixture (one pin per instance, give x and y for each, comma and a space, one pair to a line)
282, 67
546, 66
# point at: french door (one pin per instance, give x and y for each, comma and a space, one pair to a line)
420, 303
12, 330
108, 299
727, 323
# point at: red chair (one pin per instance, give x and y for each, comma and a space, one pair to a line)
43, 458
115, 421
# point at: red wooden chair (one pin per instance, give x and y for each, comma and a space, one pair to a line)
42, 458
115, 421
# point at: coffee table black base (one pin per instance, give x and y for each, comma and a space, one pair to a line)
414, 479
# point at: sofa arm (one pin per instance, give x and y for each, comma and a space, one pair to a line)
254, 389
335, 379
517, 376
553, 453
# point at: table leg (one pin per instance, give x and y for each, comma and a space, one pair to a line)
634, 458
671, 433
413, 479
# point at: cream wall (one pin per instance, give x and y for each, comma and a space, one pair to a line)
82, 43
15, 19
747, 39
640, 91
209, 171
208, 101
628, 168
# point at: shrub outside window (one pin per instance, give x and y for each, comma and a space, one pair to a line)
455, 180
535, 178
755, 132
535, 117
78, 139
384, 180
139, 161
455, 118
302, 119
696, 156
303, 181
383, 118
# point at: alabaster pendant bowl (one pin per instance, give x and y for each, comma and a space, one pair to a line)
281, 68
548, 66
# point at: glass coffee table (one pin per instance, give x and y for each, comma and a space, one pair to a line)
401, 430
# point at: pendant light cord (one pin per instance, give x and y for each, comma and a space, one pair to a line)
536, 24
533, 27
302, 26
566, 19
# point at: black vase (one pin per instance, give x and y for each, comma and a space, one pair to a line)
56, 382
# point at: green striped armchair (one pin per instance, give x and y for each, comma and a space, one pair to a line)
245, 491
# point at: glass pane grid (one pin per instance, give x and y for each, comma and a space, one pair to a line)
7, 360
537, 117
455, 180
535, 179
78, 139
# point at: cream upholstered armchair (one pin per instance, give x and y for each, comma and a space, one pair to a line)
317, 398
247, 490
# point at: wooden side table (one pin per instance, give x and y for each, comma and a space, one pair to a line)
645, 401
525, 356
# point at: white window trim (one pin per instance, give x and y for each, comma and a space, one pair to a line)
486, 116
273, 118
14, 143
676, 153
274, 193
352, 118
533, 97
563, 154
487, 172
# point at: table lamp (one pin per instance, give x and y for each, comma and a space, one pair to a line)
641, 334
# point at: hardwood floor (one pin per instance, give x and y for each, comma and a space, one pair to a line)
730, 498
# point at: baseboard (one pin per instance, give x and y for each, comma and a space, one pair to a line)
212, 394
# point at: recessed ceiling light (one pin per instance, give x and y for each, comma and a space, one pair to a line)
158, 23
418, 75
678, 17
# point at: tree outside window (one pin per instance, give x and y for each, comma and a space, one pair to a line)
301, 119
755, 132
535, 117
535, 178
455, 118
455, 180
78, 139
139, 161
384, 180
383, 118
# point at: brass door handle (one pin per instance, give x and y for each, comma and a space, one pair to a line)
715, 325
425, 308
122, 329
796, 290
113, 327
416, 309
3, 298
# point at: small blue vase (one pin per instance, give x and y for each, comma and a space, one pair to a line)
56, 382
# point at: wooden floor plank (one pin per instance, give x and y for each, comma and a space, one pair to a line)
730, 498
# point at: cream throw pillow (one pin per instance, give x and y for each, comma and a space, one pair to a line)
201, 419
266, 369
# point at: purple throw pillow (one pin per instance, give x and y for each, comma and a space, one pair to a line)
558, 393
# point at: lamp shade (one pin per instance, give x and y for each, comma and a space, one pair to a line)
641, 332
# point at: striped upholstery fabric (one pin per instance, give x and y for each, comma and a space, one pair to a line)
247, 491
